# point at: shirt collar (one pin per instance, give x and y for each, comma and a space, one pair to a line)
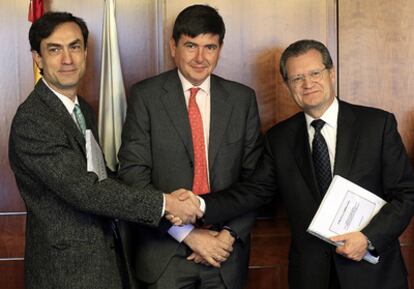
330, 116
205, 86
67, 102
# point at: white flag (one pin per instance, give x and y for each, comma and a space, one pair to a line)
112, 104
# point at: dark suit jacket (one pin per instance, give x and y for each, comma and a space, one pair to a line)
69, 242
157, 152
370, 153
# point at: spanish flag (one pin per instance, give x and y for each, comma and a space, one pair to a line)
35, 12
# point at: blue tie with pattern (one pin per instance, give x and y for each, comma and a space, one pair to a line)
320, 155
79, 118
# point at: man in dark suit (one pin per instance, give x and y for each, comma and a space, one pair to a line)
160, 149
363, 145
70, 240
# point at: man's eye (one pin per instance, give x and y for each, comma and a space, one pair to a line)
76, 47
297, 79
190, 45
315, 73
54, 50
211, 47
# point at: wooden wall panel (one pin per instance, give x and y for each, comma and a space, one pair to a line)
274, 277
408, 252
11, 274
12, 238
377, 58
16, 82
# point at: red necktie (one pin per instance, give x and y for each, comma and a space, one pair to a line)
200, 181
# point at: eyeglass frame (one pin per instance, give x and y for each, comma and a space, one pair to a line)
314, 76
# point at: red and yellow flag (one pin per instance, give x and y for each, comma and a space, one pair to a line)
36, 10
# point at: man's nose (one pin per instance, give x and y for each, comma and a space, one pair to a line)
66, 56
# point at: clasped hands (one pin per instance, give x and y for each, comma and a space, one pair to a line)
182, 207
209, 247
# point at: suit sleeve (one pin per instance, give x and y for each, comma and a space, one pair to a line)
253, 147
398, 187
242, 197
135, 154
49, 155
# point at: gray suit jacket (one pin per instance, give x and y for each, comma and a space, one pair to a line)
370, 153
157, 152
69, 242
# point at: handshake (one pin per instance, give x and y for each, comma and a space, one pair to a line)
182, 207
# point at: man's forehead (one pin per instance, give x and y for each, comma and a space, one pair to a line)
310, 59
64, 34
200, 37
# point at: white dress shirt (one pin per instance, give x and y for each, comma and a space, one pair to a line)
330, 117
67, 102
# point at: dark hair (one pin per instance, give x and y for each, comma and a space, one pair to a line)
301, 47
198, 19
45, 25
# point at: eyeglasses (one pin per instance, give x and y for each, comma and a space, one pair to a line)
314, 75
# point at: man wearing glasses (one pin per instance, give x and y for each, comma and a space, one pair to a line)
330, 137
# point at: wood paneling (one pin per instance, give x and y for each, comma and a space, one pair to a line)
12, 236
408, 252
376, 53
267, 278
269, 253
16, 82
11, 274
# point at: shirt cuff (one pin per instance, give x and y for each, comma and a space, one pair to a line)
163, 205
179, 233
202, 204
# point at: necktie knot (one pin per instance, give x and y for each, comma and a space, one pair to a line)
318, 124
193, 92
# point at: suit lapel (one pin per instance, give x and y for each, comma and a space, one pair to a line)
346, 139
60, 113
303, 155
174, 103
219, 118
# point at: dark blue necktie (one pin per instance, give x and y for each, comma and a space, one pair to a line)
320, 155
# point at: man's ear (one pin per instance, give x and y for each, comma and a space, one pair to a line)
37, 59
286, 84
173, 47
